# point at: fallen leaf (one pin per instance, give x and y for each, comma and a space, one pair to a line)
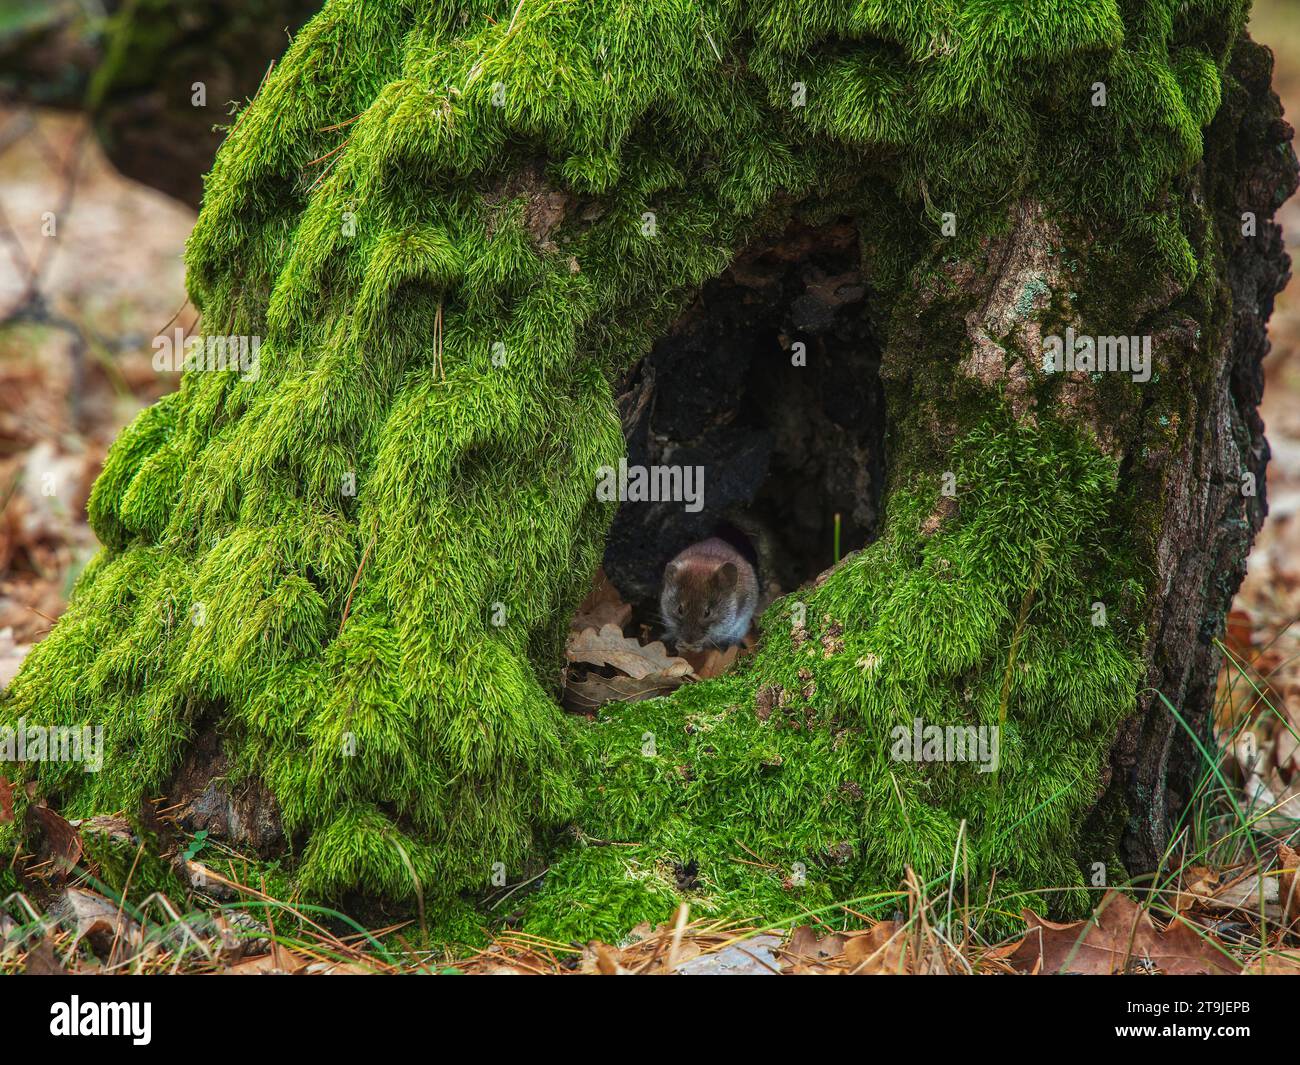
753, 957
609, 647
60, 842
277, 963
1272, 805
712, 663
646, 671
1199, 885
880, 950
6, 801
1237, 893
602, 606
513, 960
336, 968
587, 693
607, 961
112, 935
1120, 937
688, 950
805, 953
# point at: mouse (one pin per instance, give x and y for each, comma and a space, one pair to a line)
708, 597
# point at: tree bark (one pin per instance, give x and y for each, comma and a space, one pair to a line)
1215, 483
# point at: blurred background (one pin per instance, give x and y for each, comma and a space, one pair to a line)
93, 222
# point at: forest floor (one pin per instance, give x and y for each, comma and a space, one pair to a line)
78, 310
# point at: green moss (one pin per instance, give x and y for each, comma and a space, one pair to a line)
8, 867
441, 331
118, 865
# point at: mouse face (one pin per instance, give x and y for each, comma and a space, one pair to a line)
699, 603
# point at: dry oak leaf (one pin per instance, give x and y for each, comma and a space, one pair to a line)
1225, 891
806, 954
609, 647
607, 961
602, 606
266, 965
1199, 886
1120, 937
880, 950
588, 693
712, 663
648, 670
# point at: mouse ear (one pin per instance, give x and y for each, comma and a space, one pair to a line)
673, 568
725, 577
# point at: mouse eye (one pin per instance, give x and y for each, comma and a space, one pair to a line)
681, 610
707, 611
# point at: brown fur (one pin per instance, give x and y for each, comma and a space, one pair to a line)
709, 594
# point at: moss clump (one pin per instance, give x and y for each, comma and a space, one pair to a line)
120, 865
451, 225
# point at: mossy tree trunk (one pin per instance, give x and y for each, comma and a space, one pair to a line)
515, 209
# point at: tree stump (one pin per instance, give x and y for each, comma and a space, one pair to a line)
458, 242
